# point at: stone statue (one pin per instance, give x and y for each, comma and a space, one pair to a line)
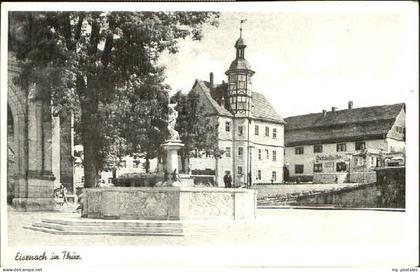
172, 116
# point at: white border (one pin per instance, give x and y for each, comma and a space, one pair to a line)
168, 257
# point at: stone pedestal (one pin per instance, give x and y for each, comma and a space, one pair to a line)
35, 193
170, 203
171, 148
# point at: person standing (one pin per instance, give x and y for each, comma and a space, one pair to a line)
175, 176
63, 194
226, 178
229, 180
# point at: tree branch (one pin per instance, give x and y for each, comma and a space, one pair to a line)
106, 54
94, 38
79, 26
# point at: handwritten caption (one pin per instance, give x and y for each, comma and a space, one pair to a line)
53, 256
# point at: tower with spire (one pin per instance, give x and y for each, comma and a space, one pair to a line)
249, 130
239, 75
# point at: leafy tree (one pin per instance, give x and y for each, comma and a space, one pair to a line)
197, 130
86, 61
147, 111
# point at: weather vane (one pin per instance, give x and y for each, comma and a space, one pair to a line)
242, 21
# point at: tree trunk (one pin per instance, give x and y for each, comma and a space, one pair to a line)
147, 164
89, 124
216, 173
182, 162
89, 148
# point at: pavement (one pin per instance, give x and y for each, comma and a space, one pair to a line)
271, 227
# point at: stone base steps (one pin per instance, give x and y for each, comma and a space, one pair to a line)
105, 227
82, 226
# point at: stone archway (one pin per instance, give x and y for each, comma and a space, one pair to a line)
16, 108
11, 157
31, 119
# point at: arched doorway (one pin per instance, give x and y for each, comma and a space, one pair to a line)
30, 180
11, 157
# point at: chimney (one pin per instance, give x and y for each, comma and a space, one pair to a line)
350, 105
324, 113
333, 109
211, 79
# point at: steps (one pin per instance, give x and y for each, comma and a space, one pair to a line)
108, 227
86, 226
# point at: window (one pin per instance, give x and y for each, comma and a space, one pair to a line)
240, 151
341, 147
274, 155
317, 148
259, 174
299, 150
241, 81
240, 130
257, 128
136, 164
299, 169
267, 154
317, 167
360, 145
372, 161
359, 161
227, 126
259, 154
273, 176
267, 131
123, 164
228, 152
239, 170
340, 166
274, 133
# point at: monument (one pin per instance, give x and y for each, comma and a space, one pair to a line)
171, 147
170, 199
173, 144
171, 207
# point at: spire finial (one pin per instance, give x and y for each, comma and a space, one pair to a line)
240, 29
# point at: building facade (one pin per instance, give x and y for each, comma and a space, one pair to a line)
250, 131
127, 165
343, 141
35, 139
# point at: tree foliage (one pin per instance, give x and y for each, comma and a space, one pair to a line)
96, 63
197, 130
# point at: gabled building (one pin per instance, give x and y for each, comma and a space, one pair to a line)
337, 141
250, 131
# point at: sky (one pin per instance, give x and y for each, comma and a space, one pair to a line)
306, 61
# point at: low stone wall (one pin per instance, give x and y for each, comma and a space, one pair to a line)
363, 177
300, 178
289, 191
387, 192
169, 203
353, 177
330, 177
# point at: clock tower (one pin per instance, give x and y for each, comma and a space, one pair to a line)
239, 81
